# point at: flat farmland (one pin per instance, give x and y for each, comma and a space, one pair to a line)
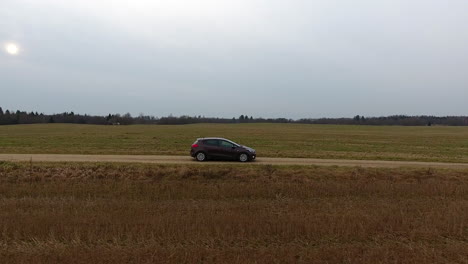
446, 144
128, 213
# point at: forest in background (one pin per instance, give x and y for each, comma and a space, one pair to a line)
8, 117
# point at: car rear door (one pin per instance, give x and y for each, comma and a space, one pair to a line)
212, 148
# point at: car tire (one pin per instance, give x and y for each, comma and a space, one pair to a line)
243, 157
201, 156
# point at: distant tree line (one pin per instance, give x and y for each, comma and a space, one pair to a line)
8, 117
394, 120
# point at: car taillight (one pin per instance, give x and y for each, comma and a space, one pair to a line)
195, 146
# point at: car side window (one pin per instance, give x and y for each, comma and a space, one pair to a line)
226, 144
212, 142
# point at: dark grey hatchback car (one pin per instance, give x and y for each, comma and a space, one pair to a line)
221, 148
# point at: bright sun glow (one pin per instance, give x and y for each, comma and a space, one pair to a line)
12, 49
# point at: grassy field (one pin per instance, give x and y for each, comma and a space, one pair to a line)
102, 213
448, 144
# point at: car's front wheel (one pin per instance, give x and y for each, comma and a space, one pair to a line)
243, 157
200, 156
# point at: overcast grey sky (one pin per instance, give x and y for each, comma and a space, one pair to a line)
270, 58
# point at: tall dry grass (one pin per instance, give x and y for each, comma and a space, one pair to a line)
102, 213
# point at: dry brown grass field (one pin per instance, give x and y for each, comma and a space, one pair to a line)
107, 213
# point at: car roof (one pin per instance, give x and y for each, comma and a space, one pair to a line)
218, 138
213, 138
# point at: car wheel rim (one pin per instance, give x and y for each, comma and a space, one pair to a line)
200, 156
243, 157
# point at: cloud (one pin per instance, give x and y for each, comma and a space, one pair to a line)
302, 57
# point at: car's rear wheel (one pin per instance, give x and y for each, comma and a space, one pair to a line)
200, 156
243, 157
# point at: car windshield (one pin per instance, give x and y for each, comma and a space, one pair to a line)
232, 142
226, 144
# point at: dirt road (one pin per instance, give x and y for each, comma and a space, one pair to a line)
188, 160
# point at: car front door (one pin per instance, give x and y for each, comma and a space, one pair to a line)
228, 150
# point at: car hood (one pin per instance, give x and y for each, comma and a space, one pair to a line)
249, 149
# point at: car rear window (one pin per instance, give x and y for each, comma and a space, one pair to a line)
211, 142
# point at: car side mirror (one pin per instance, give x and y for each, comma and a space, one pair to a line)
233, 147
